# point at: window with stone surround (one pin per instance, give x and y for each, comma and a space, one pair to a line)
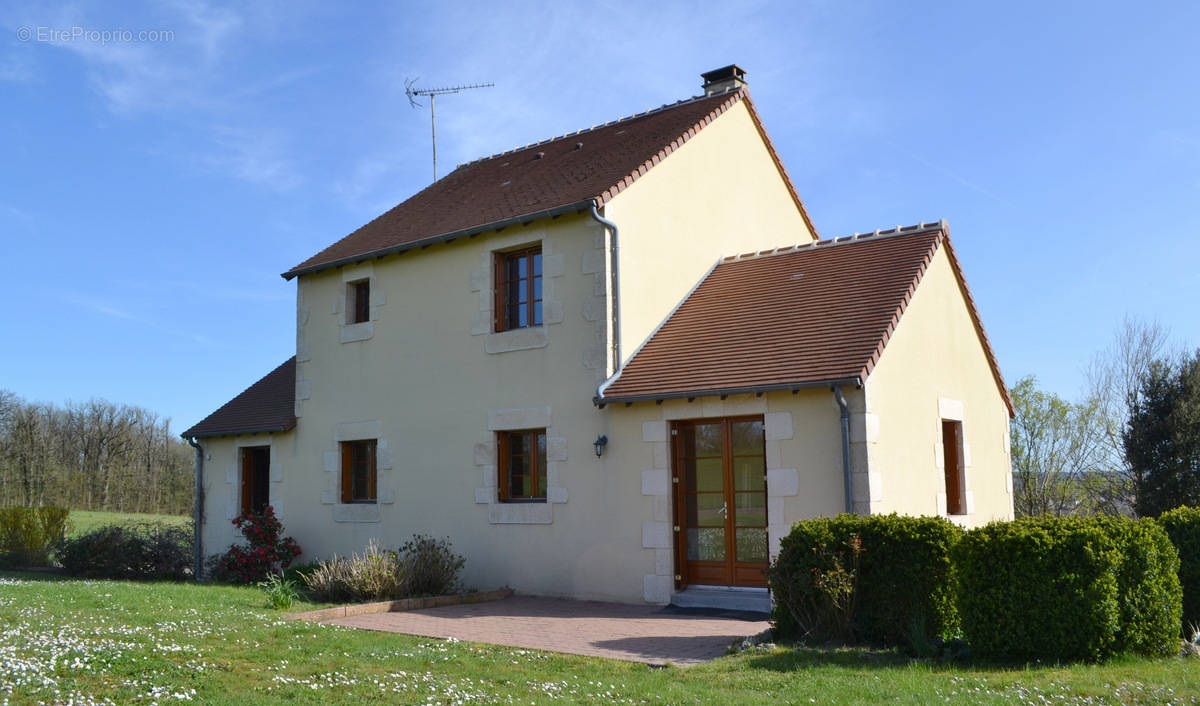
522, 465
518, 277
358, 301
952, 464
359, 471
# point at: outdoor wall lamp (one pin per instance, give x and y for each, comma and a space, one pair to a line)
600, 442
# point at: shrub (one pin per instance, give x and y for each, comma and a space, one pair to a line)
430, 566
1062, 589
885, 579
375, 574
28, 534
1183, 527
423, 566
267, 551
1148, 590
137, 551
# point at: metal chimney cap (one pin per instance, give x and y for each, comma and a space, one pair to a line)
727, 78
723, 73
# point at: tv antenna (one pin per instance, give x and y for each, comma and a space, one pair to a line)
433, 93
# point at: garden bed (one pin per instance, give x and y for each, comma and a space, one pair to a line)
400, 605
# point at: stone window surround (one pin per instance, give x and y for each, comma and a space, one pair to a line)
483, 320
233, 472
657, 532
384, 476
517, 419
952, 410
363, 331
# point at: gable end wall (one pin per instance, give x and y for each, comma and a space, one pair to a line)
933, 368
719, 194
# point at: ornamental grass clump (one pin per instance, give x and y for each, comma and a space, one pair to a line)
375, 574
423, 566
266, 552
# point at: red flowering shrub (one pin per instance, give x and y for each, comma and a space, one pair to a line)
266, 553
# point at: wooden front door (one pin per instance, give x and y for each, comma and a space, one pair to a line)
720, 479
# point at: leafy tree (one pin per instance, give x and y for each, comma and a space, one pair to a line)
1162, 436
1056, 445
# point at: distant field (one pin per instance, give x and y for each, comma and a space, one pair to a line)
84, 520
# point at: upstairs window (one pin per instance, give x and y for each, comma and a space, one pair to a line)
358, 302
952, 463
358, 471
522, 456
519, 289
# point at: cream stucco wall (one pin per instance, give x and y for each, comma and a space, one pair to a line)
803, 458
719, 194
222, 487
432, 384
933, 368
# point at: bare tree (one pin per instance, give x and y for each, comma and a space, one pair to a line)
1113, 379
95, 455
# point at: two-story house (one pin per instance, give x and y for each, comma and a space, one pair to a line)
613, 365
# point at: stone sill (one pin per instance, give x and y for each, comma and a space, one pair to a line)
400, 606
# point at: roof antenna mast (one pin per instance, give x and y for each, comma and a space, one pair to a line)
433, 93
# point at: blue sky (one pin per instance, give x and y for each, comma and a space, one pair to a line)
152, 191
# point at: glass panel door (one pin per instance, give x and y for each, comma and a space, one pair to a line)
721, 501
703, 460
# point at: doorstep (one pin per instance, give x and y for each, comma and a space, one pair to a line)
736, 598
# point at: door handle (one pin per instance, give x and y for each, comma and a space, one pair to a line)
724, 509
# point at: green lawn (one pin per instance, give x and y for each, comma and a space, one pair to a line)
84, 520
106, 641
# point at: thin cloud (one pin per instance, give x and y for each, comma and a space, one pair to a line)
187, 80
124, 315
950, 174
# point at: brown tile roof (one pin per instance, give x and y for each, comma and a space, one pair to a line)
804, 316
560, 175
267, 405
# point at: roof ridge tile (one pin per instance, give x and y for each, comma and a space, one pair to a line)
922, 227
644, 113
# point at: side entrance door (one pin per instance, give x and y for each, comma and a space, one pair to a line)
719, 473
256, 477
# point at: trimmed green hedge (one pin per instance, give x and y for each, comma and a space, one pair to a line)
1065, 589
1183, 527
142, 551
901, 582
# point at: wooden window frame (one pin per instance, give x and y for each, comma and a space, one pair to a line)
952, 467
358, 301
533, 306
538, 476
348, 450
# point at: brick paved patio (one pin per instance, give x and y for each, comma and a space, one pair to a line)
616, 631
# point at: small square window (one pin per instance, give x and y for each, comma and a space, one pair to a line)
518, 289
952, 455
522, 456
358, 302
358, 471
